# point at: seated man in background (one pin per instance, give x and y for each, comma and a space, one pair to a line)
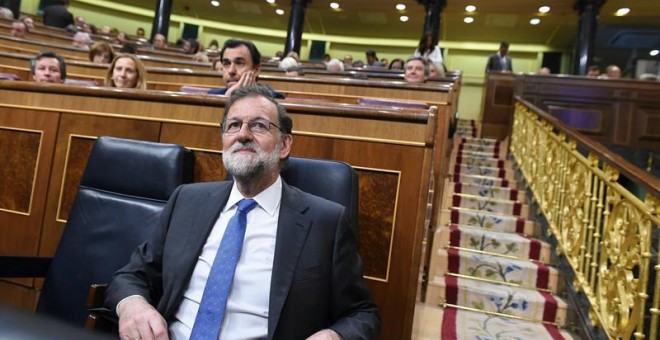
159, 41
612, 72
593, 71
286, 266
48, 67
240, 63
82, 40
19, 29
334, 65
416, 70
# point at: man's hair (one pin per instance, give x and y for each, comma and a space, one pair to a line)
504, 44
593, 68
370, 53
49, 54
233, 43
284, 120
426, 65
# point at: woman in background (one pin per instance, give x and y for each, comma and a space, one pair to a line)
126, 71
101, 53
427, 50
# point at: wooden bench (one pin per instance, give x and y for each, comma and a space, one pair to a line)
621, 112
49, 130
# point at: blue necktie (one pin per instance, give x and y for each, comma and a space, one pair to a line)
218, 285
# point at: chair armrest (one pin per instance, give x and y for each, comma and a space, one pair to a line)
24, 266
99, 318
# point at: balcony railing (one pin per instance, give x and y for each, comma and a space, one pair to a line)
607, 231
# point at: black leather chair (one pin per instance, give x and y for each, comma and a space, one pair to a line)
124, 187
332, 180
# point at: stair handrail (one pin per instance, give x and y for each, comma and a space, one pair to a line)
608, 234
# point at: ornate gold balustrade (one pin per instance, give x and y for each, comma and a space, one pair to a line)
606, 232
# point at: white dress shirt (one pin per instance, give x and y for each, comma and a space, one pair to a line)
246, 315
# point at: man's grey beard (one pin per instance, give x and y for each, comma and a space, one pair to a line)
250, 167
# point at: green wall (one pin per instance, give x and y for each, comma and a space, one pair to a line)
470, 57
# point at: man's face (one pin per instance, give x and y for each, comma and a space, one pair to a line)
235, 62
18, 30
370, 59
414, 72
249, 155
47, 70
504, 51
159, 41
348, 60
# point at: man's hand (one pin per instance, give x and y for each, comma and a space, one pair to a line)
139, 320
248, 78
325, 334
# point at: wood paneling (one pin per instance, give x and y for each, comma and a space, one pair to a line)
497, 108
18, 168
611, 111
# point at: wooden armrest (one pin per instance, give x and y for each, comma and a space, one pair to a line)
24, 266
99, 318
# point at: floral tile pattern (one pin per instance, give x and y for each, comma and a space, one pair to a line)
499, 243
488, 204
484, 296
485, 220
478, 326
492, 192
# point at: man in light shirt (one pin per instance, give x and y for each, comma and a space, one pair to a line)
299, 274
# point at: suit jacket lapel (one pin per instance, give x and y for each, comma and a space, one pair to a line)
292, 229
202, 212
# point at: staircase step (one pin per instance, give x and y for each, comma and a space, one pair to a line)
485, 181
476, 154
492, 192
494, 150
507, 244
480, 141
529, 304
480, 203
467, 169
459, 324
488, 221
529, 274
493, 163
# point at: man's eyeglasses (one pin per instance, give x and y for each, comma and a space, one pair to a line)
258, 126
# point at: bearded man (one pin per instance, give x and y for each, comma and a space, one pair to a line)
297, 276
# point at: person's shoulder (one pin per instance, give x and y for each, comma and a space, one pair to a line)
311, 199
201, 187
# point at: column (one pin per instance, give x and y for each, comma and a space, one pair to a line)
584, 49
433, 17
162, 18
295, 30
14, 6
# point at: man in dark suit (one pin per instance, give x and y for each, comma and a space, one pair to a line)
58, 15
500, 61
298, 275
240, 64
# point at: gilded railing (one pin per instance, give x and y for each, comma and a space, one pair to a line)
607, 233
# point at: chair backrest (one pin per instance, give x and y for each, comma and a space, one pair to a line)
332, 180
123, 190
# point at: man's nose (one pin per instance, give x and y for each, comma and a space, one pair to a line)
231, 68
244, 133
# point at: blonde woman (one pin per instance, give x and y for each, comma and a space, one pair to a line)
126, 71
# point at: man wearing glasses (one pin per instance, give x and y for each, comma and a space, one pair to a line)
240, 63
298, 273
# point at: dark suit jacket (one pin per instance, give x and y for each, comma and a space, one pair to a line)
57, 16
494, 64
317, 274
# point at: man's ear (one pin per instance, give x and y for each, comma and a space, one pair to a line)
256, 70
287, 142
